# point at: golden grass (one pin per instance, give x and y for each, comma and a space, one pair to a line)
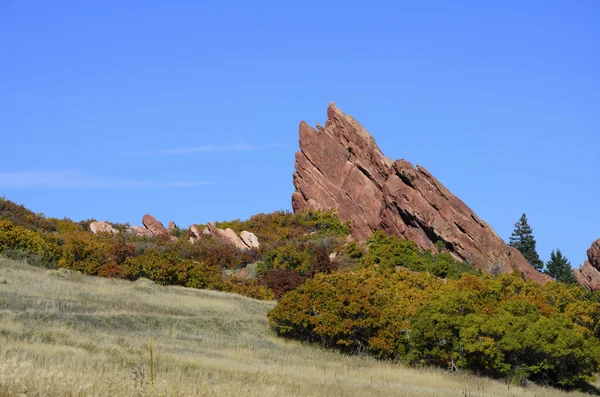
64, 334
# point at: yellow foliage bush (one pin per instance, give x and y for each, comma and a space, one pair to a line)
12, 236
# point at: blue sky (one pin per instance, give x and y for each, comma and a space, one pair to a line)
190, 110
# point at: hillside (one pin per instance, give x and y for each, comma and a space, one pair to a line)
65, 334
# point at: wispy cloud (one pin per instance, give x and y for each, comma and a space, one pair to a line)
69, 179
204, 148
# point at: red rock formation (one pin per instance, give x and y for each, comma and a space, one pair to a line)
589, 274
340, 166
593, 254
226, 236
153, 225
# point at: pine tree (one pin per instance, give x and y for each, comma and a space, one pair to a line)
559, 268
522, 239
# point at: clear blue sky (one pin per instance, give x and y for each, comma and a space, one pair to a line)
190, 110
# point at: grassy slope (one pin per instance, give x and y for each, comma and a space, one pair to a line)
65, 334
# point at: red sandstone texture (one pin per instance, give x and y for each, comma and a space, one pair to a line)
339, 166
589, 274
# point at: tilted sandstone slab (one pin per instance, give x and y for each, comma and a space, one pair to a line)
233, 238
152, 227
226, 236
152, 224
339, 166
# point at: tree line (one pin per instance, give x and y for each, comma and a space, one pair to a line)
558, 267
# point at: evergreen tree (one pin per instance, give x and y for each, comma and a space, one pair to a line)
522, 239
559, 268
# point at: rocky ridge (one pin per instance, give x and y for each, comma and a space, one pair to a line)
339, 166
152, 227
245, 241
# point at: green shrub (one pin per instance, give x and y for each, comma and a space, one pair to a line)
387, 252
24, 244
362, 311
160, 267
289, 258
506, 328
215, 253
353, 250
205, 277
251, 289
176, 232
280, 227
83, 252
34, 259
501, 327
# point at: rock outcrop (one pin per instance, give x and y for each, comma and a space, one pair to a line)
140, 231
226, 236
154, 225
250, 239
102, 227
588, 275
172, 226
245, 241
593, 254
339, 166
229, 234
196, 234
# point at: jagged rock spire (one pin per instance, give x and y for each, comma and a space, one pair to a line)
340, 166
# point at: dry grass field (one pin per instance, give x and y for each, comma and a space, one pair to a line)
64, 334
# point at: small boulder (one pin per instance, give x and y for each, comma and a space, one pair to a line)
250, 239
172, 226
153, 225
139, 231
102, 227
229, 234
